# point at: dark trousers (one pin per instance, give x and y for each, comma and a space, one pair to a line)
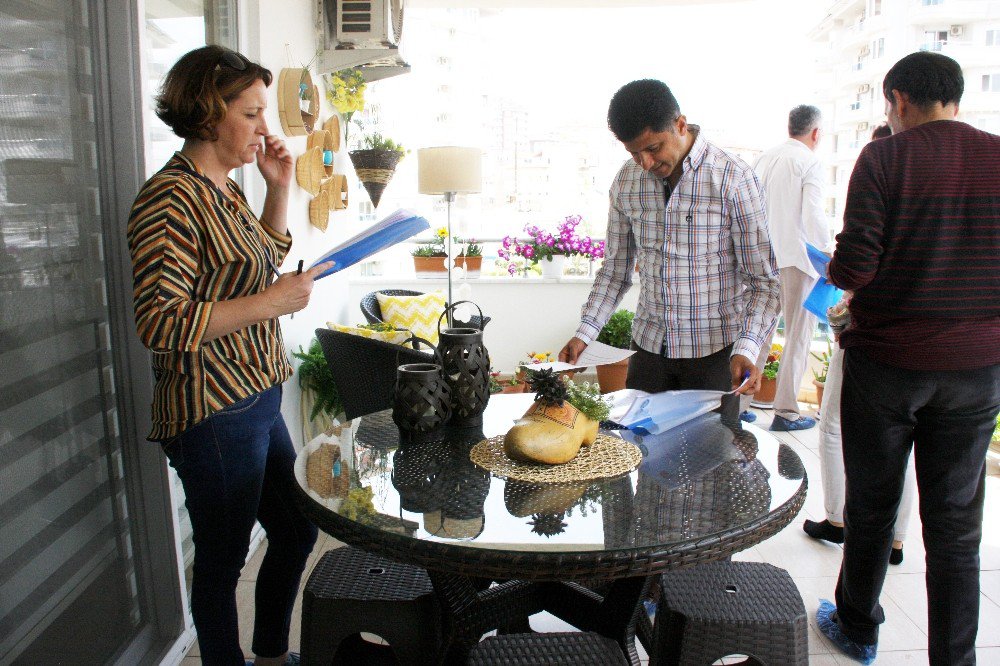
654, 373
237, 466
947, 417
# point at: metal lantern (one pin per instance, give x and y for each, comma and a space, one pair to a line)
421, 402
466, 365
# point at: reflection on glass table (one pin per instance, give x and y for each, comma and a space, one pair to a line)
703, 491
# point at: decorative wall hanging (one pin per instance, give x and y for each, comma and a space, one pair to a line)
336, 189
298, 101
319, 211
324, 141
309, 171
333, 127
375, 169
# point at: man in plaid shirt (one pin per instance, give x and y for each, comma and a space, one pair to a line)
693, 217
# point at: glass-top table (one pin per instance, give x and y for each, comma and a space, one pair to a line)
702, 492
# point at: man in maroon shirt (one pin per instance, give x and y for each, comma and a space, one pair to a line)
920, 249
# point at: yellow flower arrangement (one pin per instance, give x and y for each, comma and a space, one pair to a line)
345, 90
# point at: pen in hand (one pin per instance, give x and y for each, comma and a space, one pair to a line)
298, 271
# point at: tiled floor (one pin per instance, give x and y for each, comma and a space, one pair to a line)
812, 564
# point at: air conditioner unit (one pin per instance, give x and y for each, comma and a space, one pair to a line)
364, 23
862, 126
956, 30
863, 88
360, 33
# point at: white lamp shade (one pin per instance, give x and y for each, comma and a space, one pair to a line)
449, 169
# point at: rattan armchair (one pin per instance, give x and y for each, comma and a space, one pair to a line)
364, 369
370, 308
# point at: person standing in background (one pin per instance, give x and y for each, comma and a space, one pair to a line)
793, 188
831, 452
920, 249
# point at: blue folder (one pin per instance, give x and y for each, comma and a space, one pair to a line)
823, 295
399, 226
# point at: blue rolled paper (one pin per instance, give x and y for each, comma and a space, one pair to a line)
327, 157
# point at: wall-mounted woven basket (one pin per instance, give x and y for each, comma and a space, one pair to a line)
319, 211
336, 189
324, 140
332, 125
296, 121
309, 172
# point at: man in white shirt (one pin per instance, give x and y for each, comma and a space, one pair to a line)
793, 187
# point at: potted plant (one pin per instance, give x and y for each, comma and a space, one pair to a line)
555, 427
819, 375
375, 163
429, 255
550, 250
616, 333
768, 377
471, 257
534, 358
316, 382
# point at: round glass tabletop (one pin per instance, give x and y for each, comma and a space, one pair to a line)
701, 480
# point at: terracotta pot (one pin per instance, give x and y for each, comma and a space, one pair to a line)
819, 392
514, 388
472, 265
612, 377
768, 387
430, 267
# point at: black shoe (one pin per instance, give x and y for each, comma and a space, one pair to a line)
896, 556
824, 531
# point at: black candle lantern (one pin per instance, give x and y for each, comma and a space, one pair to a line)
466, 366
422, 398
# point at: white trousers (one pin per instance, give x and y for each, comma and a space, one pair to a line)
799, 327
831, 455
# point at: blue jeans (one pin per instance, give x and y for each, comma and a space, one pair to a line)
237, 466
947, 417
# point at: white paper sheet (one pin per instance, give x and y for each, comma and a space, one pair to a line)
596, 353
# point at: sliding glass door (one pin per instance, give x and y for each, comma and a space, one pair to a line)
75, 586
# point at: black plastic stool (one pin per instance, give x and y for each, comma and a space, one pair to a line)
352, 591
725, 608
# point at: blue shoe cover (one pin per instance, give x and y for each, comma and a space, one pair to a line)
650, 607
748, 416
829, 627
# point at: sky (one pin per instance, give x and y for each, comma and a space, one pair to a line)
737, 67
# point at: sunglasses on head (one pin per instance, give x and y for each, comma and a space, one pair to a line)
234, 60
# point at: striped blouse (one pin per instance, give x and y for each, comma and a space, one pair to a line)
192, 246
707, 270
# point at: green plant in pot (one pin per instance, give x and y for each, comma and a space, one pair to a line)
375, 163
315, 376
819, 375
616, 333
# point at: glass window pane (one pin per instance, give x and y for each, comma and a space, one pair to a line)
66, 543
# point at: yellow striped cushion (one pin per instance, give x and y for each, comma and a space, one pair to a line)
393, 337
419, 314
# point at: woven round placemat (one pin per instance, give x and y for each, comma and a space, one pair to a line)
605, 458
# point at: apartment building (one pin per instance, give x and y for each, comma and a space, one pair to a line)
863, 38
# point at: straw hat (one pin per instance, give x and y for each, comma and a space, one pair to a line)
335, 188
319, 211
309, 171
